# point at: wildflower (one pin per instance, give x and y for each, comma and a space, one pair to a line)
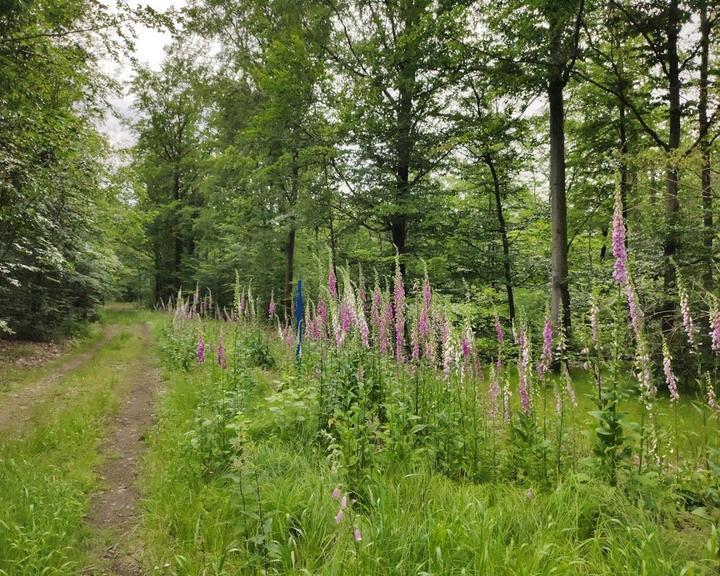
337, 493
271, 306
446, 343
424, 317
529, 494
200, 350
386, 321
547, 352
357, 535
363, 328
506, 401
344, 502
399, 301
644, 375
221, 357
670, 377
499, 330
376, 305
636, 313
570, 389
594, 324
685, 312
466, 342
620, 273
339, 516
715, 330
524, 360
415, 343
346, 319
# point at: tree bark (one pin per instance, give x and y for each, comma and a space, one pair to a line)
672, 174
708, 231
502, 228
624, 185
177, 253
404, 140
290, 245
560, 294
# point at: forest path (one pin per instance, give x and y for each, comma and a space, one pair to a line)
113, 515
17, 406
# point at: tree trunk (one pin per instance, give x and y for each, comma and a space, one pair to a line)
559, 292
290, 245
404, 142
623, 165
672, 174
177, 253
398, 220
708, 234
503, 236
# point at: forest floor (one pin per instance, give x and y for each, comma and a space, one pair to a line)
80, 414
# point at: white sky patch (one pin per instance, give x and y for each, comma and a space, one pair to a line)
150, 47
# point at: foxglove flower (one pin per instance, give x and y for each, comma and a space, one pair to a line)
425, 310
399, 301
386, 321
687, 320
636, 313
466, 343
446, 344
415, 343
363, 328
711, 397
670, 378
506, 401
200, 350
620, 272
715, 330
271, 306
547, 350
499, 331
594, 324
221, 357
524, 361
376, 306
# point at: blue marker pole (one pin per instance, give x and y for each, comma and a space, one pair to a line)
299, 320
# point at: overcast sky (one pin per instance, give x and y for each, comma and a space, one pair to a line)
149, 50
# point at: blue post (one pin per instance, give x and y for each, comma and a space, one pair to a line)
299, 320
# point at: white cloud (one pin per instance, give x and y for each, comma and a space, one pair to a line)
150, 47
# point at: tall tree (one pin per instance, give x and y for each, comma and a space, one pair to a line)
273, 47
398, 61
541, 40
167, 154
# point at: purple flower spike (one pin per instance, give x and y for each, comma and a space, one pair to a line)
523, 389
620, 273
547, 350
670, 378
715, 330
200, 350
499, 331
399, 302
